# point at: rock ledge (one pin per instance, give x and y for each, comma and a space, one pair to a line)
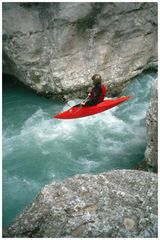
120, 203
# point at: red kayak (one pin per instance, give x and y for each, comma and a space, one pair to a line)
80, 111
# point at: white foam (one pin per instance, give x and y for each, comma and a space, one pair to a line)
9, 145
88, 165
45, 152
41, 128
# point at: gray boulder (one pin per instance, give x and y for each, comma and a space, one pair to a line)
120, 203
55, 48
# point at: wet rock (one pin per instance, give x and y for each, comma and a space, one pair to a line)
120, 203
55, 48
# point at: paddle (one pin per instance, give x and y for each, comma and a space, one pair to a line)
80, 106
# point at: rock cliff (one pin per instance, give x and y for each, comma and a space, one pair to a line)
121, 203
151, 153
55, 48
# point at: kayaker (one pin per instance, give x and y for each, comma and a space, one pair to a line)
97, 93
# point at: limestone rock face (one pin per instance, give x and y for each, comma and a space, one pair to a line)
56, 47
151, 153
120, 203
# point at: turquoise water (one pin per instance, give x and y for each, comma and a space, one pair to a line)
38, 149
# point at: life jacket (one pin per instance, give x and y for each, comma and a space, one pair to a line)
101, 97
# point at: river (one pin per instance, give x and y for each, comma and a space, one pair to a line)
38, 149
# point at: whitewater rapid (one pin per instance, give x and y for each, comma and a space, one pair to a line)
38, 149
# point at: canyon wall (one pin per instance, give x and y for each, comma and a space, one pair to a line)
151, 153
55, 48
